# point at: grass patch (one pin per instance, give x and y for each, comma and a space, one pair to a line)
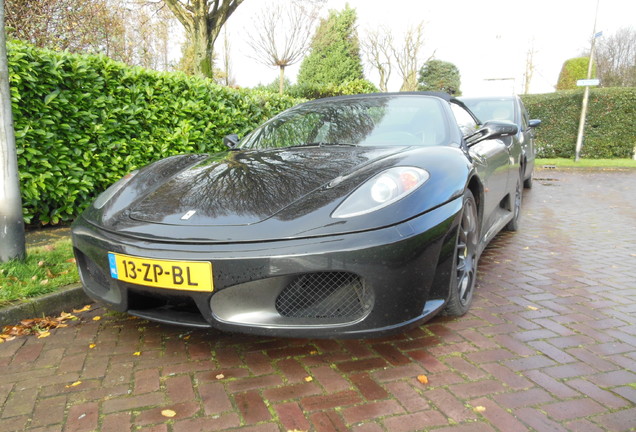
46, 269
587, 163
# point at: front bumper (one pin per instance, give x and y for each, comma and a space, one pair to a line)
353, 285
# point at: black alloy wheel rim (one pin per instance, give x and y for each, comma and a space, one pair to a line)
467, 252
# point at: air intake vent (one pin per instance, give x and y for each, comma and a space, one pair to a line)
325, 295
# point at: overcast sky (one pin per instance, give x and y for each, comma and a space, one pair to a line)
487, 40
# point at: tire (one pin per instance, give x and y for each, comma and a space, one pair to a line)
465, 258
513, 225
527, 183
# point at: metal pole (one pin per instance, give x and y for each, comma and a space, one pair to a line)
586, 93
12, 243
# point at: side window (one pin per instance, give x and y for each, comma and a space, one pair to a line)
464, 120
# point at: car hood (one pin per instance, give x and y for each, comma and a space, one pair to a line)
248, 187
263, 195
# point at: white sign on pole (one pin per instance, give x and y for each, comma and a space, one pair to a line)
588, 82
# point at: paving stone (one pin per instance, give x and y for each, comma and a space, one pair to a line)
549, 345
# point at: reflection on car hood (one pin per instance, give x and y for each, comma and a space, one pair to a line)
246, 187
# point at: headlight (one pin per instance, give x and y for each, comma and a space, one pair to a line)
381, 190
103, 198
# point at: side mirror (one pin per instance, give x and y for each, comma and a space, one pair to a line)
492, 130
231, 141
534, 123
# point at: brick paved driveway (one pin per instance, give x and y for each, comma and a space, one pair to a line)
549, 345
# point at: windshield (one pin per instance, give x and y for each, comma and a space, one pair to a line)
359, 121
492, 109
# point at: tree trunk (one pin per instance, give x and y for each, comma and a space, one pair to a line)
281, 79
203, 20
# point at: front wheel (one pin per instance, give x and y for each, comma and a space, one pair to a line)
464, 260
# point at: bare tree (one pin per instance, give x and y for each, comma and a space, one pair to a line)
277, 48
73, 25
135, 32
529, 69
226, 73
148, 27
203, 20
407, 57
616, 58
377, 48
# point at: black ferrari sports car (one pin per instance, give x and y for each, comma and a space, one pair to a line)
353, 216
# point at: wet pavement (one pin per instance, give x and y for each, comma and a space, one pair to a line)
549, 345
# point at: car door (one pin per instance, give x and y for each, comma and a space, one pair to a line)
492, 161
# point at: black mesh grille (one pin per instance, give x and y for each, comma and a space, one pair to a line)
324, 295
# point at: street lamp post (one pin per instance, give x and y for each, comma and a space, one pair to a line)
12, 243
586, 93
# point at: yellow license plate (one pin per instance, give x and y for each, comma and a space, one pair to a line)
176, 275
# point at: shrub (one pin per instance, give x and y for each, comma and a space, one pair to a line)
316, 91
573, 70
81, 122
608, 133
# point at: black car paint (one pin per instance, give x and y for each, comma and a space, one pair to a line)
404, 252
150, 216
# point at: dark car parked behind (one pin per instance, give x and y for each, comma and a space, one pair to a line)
509, 108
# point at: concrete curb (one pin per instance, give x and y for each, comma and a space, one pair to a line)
51, 304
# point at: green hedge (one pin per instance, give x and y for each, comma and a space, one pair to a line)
81, 122
609, 129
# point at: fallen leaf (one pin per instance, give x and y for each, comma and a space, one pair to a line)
66, 316
43, 334
41, 263
84, 309
91, 346
75, 384
97, 318
479, 409
44, 282
422, 379
533, 308
137, 353
313, 352
220, 376
168, 413
71, 260
308, 379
